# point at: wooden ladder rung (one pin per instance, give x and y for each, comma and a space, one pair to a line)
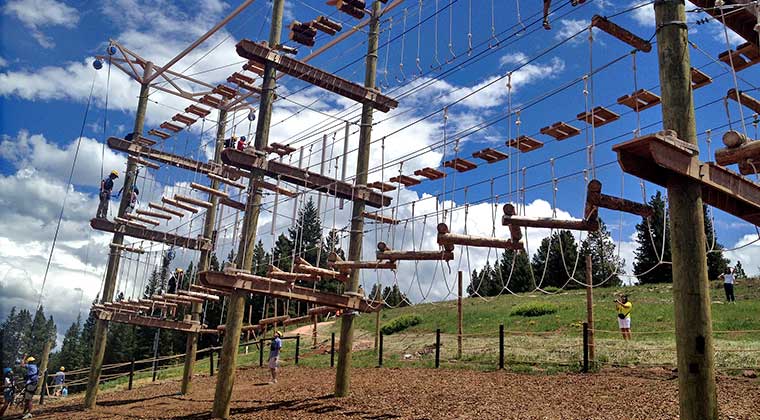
166, 209
430, 173
254, 67
460, 165
211, 101
746, 55
225, 91
179, 205
153, 214
147, 220
227, 181
240, 78
170, 126
144, 141
184, 119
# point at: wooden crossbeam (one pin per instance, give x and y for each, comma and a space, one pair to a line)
154, 214
598, 116
227, 181
321, 310
382, 186
302, 266
166, 209
179, 205
249, 283
490, 155
320, 78
525, 144
147, 321
275, 273
595, 199
405, 180
382, 219
657, 157
446, 238
560, 131
430, 173
348, 266
741, 20
745, 99
621, 33
193, 201
296, 320
640, 100
209, 190
201, 295
460, 165
510, 219
745, 55
232, 203
166, 125
143, 162
199, 243
699, 79
175, 301
302, 177
385, 253
273, 320
178, 161
198, 110
184, 119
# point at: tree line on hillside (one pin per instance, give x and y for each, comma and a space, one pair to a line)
23, 334
554, 265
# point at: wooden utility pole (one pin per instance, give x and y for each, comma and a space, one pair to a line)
44, 359
459, 315
112, 270
691, 295
235, 308
342, 378
590, 304
191, 347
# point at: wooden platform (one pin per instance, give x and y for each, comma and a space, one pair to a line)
525, 144
249, 283
460, 165
490, 155
302, 177
259, 53
741, 21
598, 117
430, 173
656, 157
560, 131
151, 235
745, 55
148, 321
640, 100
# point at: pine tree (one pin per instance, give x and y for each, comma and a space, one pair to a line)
739, 271
306, 234
521, 279
716, 262
87, 336
650, 237
153, 284
39, 334
70, 354
283, 253
558, 253
605, 262
260, 259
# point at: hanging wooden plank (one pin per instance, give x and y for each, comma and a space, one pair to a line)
227, 181
224, 91
153, 214
212, 101
378, 218
525, 144
656, 157
320, 78
193, 201
143, 141
166, 125
179, 205
199, 187
445, 237
304, 178
621, 33
198, 110
348, 266
186, 298
207, 290
232, 203
745, 55
199, 243
147, 220
382, 186
460, 165
745, 99
560, 131
275, 273
254, 67
159, 133
385, 253
239, 78
640, 100
598, 116
275, 188
490, 155
430, 173
201, 295
184, 119
249, 283
280, 149
123, 221
405, 180
699, 79
166, 209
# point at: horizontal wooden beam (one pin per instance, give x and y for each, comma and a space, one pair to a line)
595, 199
165, 209
199, 243
347, 266
178, 205
126, 248
302, 177
657, 157
193, 201
199, 295
232, 203
621, 33
209, 190
273, 320
297, 320
249, 283
159, 215
744, 99
302, 266
275, 188
549, 223
275, 273
226, 181
446, 238
382, 219
147, 321
385, 253
320, 78
321, 310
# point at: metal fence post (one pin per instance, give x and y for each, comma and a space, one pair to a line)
298, 346
380, 351
332, 350
585, 347
501, 346
437, 347
131, 373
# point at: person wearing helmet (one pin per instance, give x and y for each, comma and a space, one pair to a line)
106, 186
31, 378
58, 381
174, 280
8, 390
274, 355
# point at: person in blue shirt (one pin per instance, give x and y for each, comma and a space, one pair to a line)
106, 186
58, 380
274, 355
31, 379
8, 390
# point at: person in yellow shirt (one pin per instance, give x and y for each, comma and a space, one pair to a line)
624, 316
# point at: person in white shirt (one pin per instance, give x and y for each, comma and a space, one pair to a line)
728, 284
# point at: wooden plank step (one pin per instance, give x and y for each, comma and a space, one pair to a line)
303, 266
159, 133
525, 144
430, 173
745, 99
227, 181
549, 223
745, 55
198, 110
640, 100
560, 131
201, 295
320, 78
490, 155
446, 238
211, 100
405, 180
254, 67
147, 220
274, 188
348, 266
460, 165
379, 218
166, 209
143, 162
275, 273
184, 119
212, 191
178, 205
225, 91
239, 78
193, 201
144, 141
699, 79
153, 214
199, 288
199, 243
382, 186
127, 222
166, 125
384, 252
598, 116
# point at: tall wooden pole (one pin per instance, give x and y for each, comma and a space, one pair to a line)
691, 295
590, 304
236, 305
459, 315
112, 270
44, 359
191, 348
342, 373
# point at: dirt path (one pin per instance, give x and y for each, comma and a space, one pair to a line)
323, 336
305, 393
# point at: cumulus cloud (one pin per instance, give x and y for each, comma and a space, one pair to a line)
37, 14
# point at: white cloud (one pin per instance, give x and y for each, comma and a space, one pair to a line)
748, 254
644, 15
3, 62
36, 14
572, 27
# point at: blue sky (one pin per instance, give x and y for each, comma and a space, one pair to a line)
46, 53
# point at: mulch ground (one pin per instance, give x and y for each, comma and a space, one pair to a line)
305, 393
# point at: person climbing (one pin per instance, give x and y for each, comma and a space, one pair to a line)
106, 186
174, 280
624, 316
230, 142
241, 143
31, 378
274, 355
728, 284
120, 297
58, 381
133, 200
8, 390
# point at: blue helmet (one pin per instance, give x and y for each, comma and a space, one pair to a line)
7, 371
